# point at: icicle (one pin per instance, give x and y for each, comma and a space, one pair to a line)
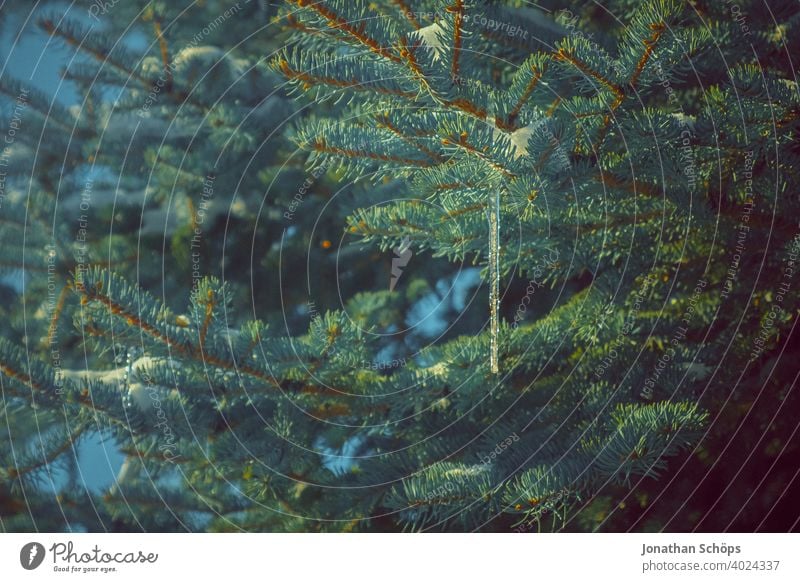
494, 277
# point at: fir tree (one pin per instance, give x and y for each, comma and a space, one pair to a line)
624, 183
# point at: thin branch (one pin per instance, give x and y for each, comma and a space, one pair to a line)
49, 27
162, 44
649, 44
184, 349
320, 146
356, 32
461, 142
407, 13
510, 124
383, 121
458, 14
16, 473
52, 330
308, 80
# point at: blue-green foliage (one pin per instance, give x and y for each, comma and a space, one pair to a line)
621, 157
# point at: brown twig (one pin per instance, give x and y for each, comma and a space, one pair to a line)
356, 32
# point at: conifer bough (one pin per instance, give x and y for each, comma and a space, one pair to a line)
625, 179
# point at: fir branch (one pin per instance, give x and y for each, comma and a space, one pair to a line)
649, 43
106, 58
463, 104
565, 56
47, 460
464, 210
94, 293
52, 329
47, 108
320, 146
209, 313
357, 33
510, 123
21, 377
457, 10
354, 84
164, 49
294, 24
461, 141
405, 10
384, 121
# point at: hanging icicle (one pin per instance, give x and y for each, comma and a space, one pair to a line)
494, 278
